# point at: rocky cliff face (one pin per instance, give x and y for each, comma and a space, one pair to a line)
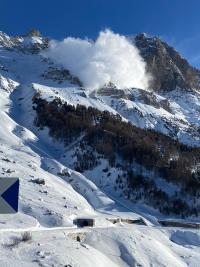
168, 69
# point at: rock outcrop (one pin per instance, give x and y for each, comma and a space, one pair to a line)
168, 69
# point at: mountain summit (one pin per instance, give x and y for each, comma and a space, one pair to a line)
168, 69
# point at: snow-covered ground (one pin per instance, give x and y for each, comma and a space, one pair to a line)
47, 210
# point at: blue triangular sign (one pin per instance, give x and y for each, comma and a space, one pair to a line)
11, 195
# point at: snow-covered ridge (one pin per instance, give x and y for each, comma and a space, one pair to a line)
26, 43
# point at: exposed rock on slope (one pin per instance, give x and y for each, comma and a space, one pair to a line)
168, 68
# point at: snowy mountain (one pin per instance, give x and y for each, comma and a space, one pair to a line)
107, 154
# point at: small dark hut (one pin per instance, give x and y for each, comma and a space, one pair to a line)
83, 222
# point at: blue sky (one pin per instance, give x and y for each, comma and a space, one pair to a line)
176, 21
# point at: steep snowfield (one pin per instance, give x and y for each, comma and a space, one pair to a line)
47, 211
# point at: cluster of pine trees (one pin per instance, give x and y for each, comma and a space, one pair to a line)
118, 141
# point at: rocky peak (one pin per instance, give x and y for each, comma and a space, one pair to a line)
7, 41
169, 70
4, 38
33, 32
32, 42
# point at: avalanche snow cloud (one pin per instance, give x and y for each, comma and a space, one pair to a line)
110, 59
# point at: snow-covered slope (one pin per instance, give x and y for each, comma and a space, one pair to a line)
174, 113
52, 195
